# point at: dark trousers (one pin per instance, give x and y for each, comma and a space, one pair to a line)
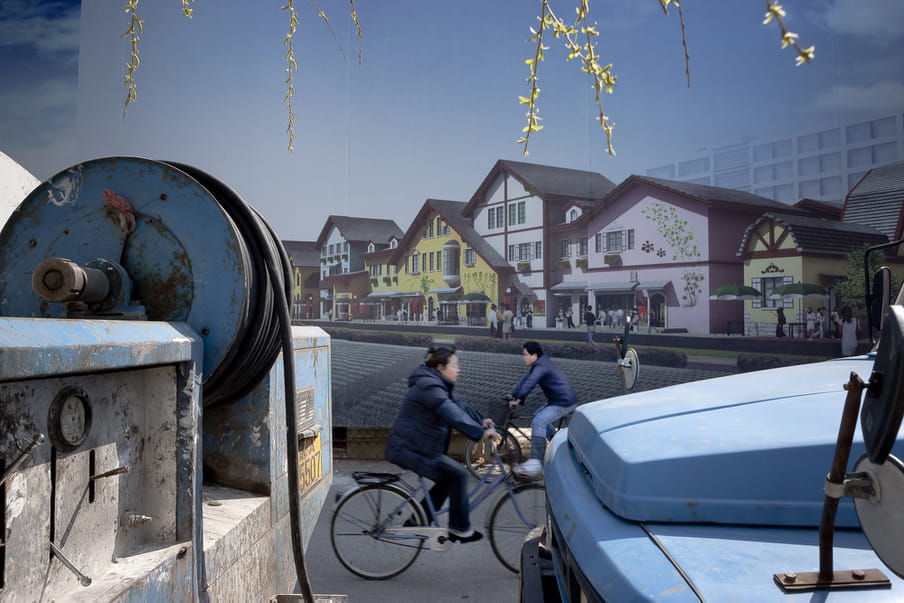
451, 481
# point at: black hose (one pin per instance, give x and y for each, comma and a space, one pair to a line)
255, 348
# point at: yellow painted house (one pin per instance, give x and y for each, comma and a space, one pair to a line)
446, 271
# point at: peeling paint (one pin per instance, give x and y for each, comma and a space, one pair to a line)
64, 190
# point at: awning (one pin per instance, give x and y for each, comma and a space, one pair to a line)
408, 294
612, 288
445, 290
572, 287
523, 289
653, 286
342, 297
375, 295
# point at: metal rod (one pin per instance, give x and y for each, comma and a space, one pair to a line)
111, 472
85, 580
35, 442
854, 389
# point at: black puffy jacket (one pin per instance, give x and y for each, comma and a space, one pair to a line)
420, 434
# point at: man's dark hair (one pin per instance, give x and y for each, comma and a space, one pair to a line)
533, 348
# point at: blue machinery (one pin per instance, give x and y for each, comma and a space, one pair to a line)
148, 448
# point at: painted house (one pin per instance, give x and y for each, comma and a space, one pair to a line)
779, 249
383, 302
514, 210
658, 246
447, 272
304, 257
343, 242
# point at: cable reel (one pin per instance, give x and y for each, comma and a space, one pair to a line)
134, 238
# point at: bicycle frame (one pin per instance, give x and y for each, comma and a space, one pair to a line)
434, 537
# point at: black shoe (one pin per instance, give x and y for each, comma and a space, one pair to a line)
474, 537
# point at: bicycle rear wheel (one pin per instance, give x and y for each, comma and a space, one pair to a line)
481, 457
358, 532
516, 513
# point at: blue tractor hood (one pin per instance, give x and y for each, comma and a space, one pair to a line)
752, 448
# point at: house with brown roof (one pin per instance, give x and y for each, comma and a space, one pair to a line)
343, 242
514, 210
779, 249
658, 246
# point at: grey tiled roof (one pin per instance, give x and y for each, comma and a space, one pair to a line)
303, 253
361, 229
877, 200
818, 235
715, 194
563, 182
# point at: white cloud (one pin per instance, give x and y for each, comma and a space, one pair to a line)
48, 27
879, 98
870, 18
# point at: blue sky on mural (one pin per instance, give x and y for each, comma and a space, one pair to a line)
434, 103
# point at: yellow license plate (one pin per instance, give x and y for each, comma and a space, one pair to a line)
310, 463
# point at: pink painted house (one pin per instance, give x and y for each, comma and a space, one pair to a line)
659, 246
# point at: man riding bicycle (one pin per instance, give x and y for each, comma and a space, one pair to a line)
561, 401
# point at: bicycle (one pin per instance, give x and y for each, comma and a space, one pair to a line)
379, 528
481, 456
626, 359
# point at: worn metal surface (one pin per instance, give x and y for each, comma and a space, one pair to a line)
137, 382
248, 551
32, 347
182, 251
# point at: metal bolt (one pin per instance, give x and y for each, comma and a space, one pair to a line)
790, 578
53, 279
858, 574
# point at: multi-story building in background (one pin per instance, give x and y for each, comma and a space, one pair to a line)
305, 259
343, 242
822, 164
514, 209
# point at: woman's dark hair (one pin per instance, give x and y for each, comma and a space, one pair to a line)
846, 314
438, 356
533, 348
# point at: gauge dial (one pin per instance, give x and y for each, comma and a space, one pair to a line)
70, 418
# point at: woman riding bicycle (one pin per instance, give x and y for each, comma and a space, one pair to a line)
561, 400
420, 436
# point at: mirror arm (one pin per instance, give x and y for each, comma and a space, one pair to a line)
867, 284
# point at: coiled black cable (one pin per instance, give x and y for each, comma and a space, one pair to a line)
264, 330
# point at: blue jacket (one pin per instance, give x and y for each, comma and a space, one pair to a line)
421, 432
553, 382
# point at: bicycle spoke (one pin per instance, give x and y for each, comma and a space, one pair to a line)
515, 514
358, 532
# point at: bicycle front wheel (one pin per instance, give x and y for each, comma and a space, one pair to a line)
516, 513
361, 537
487, 459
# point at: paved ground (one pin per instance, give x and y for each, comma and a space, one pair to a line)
466, 572
370, 380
